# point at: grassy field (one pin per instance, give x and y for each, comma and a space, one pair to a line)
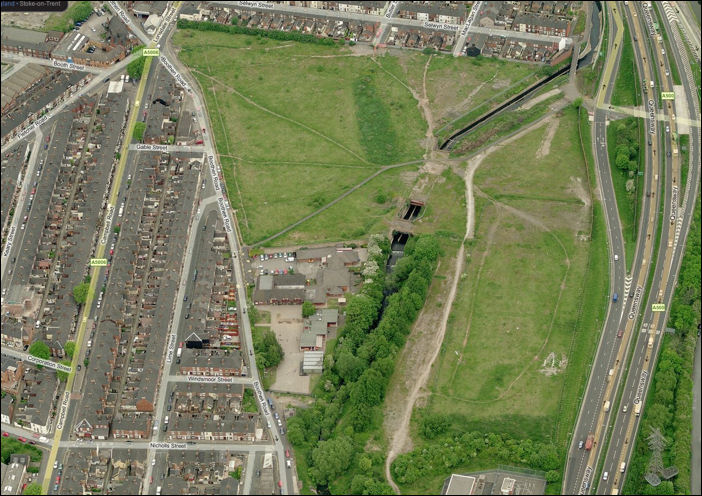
288, 149
359, 213
521, 304
626, 90
460, 89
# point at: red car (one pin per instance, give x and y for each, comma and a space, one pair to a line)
620, 333
22, 440
58, 479
5, 434
280, 483
287, 453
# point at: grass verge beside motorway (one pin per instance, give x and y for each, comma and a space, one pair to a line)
684, 150
625, 160
515, 355
668, 405
626, 92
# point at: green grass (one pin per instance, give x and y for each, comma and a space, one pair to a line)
626, 92
524, 266
378, 136
684, 150
671, 60
460, 89
64, 21
580, 23
357, 214
288, 149
628, 203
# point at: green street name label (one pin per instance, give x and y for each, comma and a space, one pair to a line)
98, 262
667, 95
150, 52
658, 307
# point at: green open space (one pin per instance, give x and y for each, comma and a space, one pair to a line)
287, 150
624, 140
626, 85
368, 209
64, 21
460, 89
528, 308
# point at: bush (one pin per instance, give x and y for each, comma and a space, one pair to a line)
308, 309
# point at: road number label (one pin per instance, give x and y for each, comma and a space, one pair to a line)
151, 52
98, 262
658, 307
667, 95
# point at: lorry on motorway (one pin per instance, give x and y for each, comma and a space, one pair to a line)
606, 406
650, 341
637, 409
588, 442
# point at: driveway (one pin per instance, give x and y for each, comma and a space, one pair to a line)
286, 322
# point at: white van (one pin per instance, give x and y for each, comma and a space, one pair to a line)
158, 490
605, 476
616, 257
622, 468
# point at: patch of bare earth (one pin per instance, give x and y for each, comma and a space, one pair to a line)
545, 147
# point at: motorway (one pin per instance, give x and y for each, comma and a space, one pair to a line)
609, 366
677, 216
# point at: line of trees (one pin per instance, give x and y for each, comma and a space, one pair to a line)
357, 369
236, 29
449, 451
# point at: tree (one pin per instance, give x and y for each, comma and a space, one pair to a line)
349, 367
331, 458
308, 309
80, 293
40, 349
63, 376
433, 425
32, 488
69, 348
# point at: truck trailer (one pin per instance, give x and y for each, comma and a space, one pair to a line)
589, 441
